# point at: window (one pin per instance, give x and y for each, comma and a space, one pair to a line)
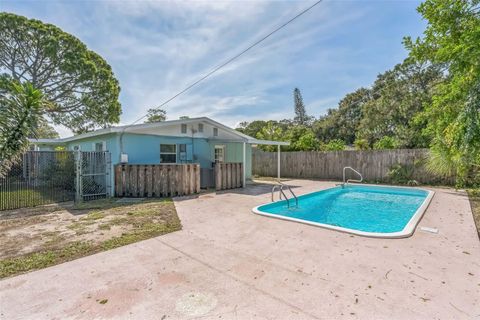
200, 127
168, 153
184, 128
215, 132
99, 146
182, 152
219, 153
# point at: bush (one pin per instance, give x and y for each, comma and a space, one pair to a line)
361, 144
334, 145
386, 143
402, 174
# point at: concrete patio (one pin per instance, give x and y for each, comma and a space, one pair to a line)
228, 263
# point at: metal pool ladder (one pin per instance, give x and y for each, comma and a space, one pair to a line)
351, 180
280, 186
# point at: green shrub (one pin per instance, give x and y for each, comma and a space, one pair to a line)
334, 145
361, 144
386, 143
402, 174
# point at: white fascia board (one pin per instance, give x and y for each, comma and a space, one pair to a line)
269, 142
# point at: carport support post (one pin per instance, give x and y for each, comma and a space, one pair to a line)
244, 171
278, 162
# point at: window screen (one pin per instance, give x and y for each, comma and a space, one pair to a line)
219, 153
168, 153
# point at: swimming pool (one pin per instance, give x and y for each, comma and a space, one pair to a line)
367, 210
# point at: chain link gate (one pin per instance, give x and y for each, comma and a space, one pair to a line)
44, 177
92, 175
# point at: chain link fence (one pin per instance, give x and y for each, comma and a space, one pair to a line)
40, 177
43, 177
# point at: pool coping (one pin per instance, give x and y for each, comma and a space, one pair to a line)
406, 232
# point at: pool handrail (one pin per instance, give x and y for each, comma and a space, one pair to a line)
280, 187
351, 180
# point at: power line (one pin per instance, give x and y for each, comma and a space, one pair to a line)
231, 59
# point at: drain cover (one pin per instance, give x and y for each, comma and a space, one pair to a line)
428, 229
196, 303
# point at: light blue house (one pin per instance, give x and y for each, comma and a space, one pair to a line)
195, 140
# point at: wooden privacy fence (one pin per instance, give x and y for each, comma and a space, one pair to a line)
228, 176
373, 164
156, 180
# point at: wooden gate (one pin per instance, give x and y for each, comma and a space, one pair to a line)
157, 180
228, 175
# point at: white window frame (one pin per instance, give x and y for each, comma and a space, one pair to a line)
215, 131
174, 153
182, 153
104, 146
219, 147
183, 126
200, 127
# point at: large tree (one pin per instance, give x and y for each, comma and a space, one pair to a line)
78, 86
156, 115
43, 130
398, 97
452, 39
301, 116
342, 123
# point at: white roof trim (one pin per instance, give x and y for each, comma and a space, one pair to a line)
133, 128
251, 141
269, 142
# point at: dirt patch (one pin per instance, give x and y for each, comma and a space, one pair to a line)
33, 241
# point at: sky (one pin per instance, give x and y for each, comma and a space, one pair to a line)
157, 48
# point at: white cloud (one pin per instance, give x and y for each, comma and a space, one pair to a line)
157, 48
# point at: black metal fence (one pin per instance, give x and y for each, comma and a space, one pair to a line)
41, 177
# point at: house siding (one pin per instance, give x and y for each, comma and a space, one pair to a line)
145, 149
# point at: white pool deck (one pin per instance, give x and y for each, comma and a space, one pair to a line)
228, 263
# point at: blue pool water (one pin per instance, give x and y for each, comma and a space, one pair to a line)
357, 207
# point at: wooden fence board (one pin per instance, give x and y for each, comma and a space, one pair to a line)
228, 176
373, 164
149, 179
156, 180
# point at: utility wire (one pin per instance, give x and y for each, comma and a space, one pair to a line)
231, 59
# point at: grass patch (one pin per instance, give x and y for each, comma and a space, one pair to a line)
474, 196
98, 204
135, 222
30, 197
95, 215
104, 226
43, 259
